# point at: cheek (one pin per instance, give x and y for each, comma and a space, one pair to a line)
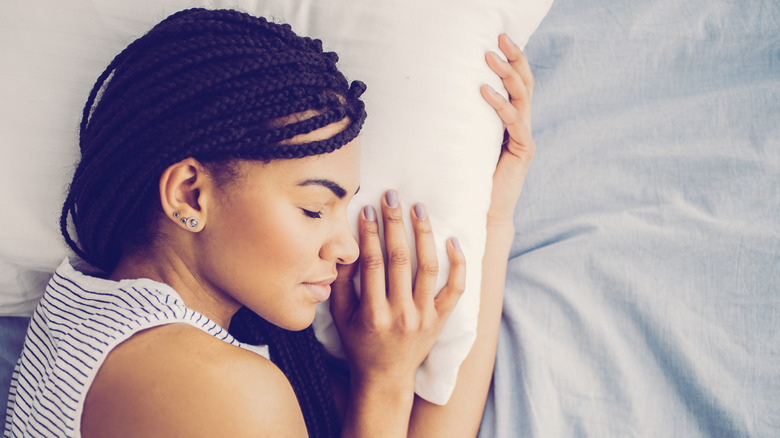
268, 243
267, 262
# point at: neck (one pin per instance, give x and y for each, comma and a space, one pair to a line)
166, 267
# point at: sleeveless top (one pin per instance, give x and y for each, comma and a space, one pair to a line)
79, 320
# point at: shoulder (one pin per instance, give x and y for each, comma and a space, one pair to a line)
176, 380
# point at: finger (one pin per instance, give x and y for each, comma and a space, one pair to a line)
520, 141
399, 263
456, 281
513, 83
371, 260
343, 301
427, 261
517, 60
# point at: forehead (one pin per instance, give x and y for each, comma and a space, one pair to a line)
341, 166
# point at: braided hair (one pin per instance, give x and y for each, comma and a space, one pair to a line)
212, 85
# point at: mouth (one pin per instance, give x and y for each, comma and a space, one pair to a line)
320, 289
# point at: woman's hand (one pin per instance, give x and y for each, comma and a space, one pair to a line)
518, 147
462, 414
391, 328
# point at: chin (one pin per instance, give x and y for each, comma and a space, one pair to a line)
294, 323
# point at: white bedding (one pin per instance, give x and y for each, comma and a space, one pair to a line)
429, 134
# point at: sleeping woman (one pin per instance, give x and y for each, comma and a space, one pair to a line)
219, 153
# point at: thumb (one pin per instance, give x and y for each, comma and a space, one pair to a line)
343, 300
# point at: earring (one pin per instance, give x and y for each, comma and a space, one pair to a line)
190, 222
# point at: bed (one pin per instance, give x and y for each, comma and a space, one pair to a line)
643, 295
643, 290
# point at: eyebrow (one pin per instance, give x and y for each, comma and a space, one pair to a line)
333, 186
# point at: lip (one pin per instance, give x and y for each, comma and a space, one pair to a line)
320, 289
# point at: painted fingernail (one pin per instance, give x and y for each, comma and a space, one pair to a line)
391, 197
455, 243
369, 213
419, 211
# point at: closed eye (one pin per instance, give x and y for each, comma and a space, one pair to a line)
312, 214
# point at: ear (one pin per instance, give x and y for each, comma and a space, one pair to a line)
184, 188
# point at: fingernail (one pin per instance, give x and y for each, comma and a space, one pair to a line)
419, 211
391, 197
455, 243
369, 213
509, 40
496, 57
492, 90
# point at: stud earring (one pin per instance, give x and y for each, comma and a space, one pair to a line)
190, 222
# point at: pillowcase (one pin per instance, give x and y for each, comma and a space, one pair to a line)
429, 135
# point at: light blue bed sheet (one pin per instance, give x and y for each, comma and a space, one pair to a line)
643, 294
643, 298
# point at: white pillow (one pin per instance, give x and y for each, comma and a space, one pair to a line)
429, 135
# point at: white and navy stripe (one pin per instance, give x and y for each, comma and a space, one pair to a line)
79, 320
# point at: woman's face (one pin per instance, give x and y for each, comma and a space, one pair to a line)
273, 239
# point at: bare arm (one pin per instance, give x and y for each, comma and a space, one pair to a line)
462, 415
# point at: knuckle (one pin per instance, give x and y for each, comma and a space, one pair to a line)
399, 256
370, 229
377, 323
408, 323
430, 268
372, 262
428, 324
457, 288
515, 75
424, 229
524, 96
524, 151
392, 217
513, 125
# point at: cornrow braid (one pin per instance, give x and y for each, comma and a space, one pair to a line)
212, 85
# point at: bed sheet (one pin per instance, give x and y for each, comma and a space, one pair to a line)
12, 332
643, 291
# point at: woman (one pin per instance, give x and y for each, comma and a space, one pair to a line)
219, 153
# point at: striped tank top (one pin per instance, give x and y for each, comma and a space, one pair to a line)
79, 320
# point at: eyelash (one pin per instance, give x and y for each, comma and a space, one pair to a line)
312, 214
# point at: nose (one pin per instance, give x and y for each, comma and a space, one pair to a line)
342, 247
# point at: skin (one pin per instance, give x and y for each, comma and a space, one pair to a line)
462, 415
175, 380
